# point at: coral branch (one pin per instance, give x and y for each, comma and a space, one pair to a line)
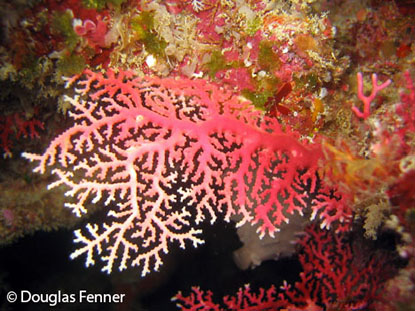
367, 100
336, 276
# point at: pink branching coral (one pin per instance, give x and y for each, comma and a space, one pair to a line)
335, 275
163, 154
367, 100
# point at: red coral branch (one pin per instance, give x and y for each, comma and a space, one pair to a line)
367, 100
335, 277
16, 125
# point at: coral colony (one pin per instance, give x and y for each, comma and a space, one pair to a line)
293, 121
331, 275
171, 152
